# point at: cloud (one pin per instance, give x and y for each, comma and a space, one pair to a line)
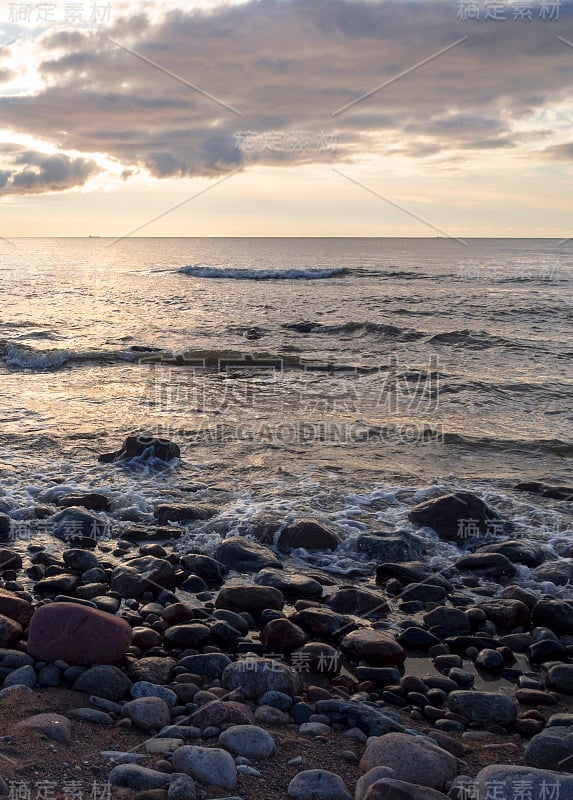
286, 66
34, 172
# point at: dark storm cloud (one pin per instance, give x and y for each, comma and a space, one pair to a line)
286, 66
34, 172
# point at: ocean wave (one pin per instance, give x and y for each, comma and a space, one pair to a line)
246, 274
24, 357
475, 339
379, 328
538, 446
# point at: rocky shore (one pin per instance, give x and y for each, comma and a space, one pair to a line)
131, 668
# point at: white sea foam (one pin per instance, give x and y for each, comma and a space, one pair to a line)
246, 274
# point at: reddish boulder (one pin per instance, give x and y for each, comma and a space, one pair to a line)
77, 634
15, 607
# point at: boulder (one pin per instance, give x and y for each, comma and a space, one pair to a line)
78, 523
143, 574
375, 647
209, 765
249, 741
246, 555
454, 516
322, 623
256, 676
551, 749
490, 565
292, 586
413, 759
539, 782
308, 534
77, 634
518, 551
55, 726
362, 603
254, 599
560, 678
543, 489
183, 512
10, 631
147, 713
485, 708
314, 784
143, 445
384, 547
15, 607
554, 614
103, 681
282, 636
391, 789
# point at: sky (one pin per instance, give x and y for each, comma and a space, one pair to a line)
286, 118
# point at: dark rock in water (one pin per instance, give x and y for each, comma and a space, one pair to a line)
349, 600
417, 639
103, 681
253, 333
75, 522
154, 533
560, 678
182, 512
558, 572
403, 546
144, 574
490, 565
80, 560
306, 533
411, 572
322, 623
253, 599
318, 657
135, 446
527, 597
292, 586
507, 614
208, 568
302, 327
246, 555
5, 528
77, 635
262, 675
553, 492
554, 614
424, 592
374, 646
518, 551
490, 660
551, 749
485, 708
457, 517
94, 501
10, 631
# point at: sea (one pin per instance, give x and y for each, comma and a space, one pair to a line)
338, 379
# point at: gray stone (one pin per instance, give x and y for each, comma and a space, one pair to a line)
246, 555
133, 776
209, 665
318, 783
485, 708
54, 726
209, 765
538, 781
276, 699
373, 721
370, 777
414, 759
144, 574
551, 749
91, 715
23, 676
103, 681
147, 689
559, 678
248, 740
181, 787
147, 713
263, 675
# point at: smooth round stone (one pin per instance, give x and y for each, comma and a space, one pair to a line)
490, 660
50, 675
134, 776
103, 681
54, 726
209, 765
313, 784
181, 787
278, 700
23, 676
91, 715
250, 741
147, 689
147, 713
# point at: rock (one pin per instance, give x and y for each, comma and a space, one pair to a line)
220, 714
209, 665
49, 675
485, 708
181, 787
312, 729
453, 516
417, 639
161, 746
91, 715
553, 492
80, 560
134, 776
411, 572
10, 631
147, 713
560, 678
558, 572
254, 599
453, 619
276, 699
143, 445
554, 614
370, 777
153, 669
318, 657
313, 784
385, 547
77, 634
248, 740
94, 501
292, 586
424, 592
260, 675
246, 555
103, 681
308, 534
541, 783
490, 660
282, 636
322, 623
507, 614
390, 789
413, 759
54, 726
350, 600
205, 567
209, 765
182, 512
9, 560
74, 522
374, 646
371, 720
518, 551
15, 608
22, 676
490, 565
63, 583
147, 689
551, 749
144, 574
193, 636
